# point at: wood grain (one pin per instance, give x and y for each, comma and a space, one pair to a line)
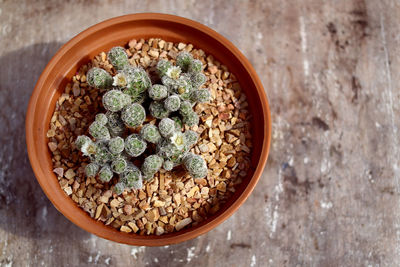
329, 195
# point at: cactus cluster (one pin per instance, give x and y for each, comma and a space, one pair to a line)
129, 98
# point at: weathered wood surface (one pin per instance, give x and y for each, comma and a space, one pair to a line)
329, 195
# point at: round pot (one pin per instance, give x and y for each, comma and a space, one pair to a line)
118, 31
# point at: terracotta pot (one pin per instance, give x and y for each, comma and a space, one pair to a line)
118, 31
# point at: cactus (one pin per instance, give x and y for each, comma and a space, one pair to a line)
190, 138
133, 115
151, 165
172, 103
102, 155
140, 98
185, 108
195, 66
132, 177
178, 123
201, 95
99, 131
101, 118
183, 87
111, 151
81, 140
91, 169
150, 133
169, 82
105, 173
115, 124
135, 145
170, 152
163, 66
191, 119
158, 92
119, 188
137, 81
195, 165
116, 145
115, 100
157, 110
99, 78
166, 127
119, 165
168, 165
184, 60
198, 79
118, 57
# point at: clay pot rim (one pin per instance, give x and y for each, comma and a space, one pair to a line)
108, 232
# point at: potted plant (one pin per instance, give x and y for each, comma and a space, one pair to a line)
148, 139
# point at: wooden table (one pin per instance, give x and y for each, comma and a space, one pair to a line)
329, 195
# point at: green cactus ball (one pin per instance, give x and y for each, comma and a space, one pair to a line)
191, 119
118, 57
158, 92
172, 103
195, 165
163, 66
170, 151
166, 127
198, 79
157, 110
168, 165
183, 60
138, 81
101, 118
151, 165
118, 165
116, 145
150, 133
119, 188
132, 177
190, 137
81, 141
105, 173
184, 87
91, 169
99, 78
102, 154
135, 145
115, 100
133, 115
201, 95
185, 108
195, 66
99, 131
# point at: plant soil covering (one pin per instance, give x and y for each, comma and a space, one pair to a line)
173, 200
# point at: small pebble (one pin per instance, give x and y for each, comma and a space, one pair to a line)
69, 174
181, 46
59, 172
52, 146
76, 90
